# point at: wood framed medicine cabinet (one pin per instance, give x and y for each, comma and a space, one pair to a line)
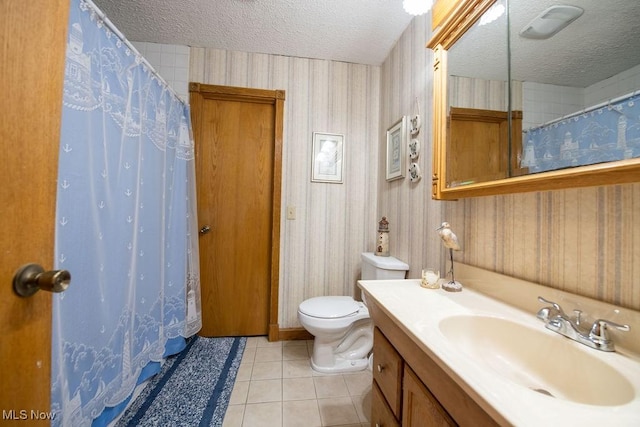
453, 19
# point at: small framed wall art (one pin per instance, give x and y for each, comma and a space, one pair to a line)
396, 143
327, 158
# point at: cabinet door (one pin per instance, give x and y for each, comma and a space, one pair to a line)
381, 415
419, 406
387, 371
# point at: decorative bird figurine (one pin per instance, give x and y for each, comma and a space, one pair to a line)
450, 241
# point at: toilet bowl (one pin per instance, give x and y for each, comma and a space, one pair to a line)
342, 330
341, 326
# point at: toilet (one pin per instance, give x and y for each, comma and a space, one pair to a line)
341, 326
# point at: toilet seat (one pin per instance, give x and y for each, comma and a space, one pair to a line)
330, 307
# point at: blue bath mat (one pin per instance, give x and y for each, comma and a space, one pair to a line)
192, 389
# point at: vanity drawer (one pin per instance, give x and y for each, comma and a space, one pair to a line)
387, 371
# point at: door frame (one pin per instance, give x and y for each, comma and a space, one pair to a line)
198, 92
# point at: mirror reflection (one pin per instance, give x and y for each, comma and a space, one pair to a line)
575, 89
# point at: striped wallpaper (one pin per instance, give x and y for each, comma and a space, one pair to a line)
407, 89
583, 241
320, 249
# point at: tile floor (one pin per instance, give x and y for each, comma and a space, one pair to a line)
276, 387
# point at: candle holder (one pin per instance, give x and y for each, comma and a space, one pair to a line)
430, 278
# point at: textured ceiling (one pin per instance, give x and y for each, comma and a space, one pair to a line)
358, 31
604, 41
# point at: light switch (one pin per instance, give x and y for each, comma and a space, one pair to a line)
291, 212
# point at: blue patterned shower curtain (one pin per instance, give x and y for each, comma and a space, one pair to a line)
606, 133
126, 224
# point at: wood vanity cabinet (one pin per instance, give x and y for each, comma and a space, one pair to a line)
419, 406
387, 382
410, 389
398, 394
381, 414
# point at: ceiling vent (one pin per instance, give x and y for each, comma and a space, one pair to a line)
550, 21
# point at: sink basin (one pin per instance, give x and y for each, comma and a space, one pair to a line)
547, 364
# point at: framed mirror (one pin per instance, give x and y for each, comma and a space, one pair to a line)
517, 110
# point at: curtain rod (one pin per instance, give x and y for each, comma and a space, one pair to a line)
586, 110
103, 17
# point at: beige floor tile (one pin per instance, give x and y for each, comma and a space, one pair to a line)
268, 354
362, 404
296, 368
253, 341
244, 371
263, 415
276, 387
323, 374
266, 370
239, 393
295, 352
331, 386
294, 343
265, 391
298, 389
233, 416
358, 383
264, 342
249, 355
337, 411
301, 413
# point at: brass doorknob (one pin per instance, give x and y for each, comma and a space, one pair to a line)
31, 278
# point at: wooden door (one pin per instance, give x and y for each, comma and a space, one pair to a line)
32, 46
238, 138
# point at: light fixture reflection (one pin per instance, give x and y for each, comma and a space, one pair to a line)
494, 12
417, 7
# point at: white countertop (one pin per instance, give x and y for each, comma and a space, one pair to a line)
418, 311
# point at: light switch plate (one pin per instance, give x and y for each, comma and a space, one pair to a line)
291, 212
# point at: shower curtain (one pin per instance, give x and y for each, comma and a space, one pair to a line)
126, 224
604, 133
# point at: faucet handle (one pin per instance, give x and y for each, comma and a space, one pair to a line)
599, 330
544, 314
578, 315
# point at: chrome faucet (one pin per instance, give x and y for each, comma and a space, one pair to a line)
574, 327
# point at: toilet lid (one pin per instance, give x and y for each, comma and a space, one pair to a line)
329, 307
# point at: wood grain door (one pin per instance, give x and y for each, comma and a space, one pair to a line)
237, 134
32, 46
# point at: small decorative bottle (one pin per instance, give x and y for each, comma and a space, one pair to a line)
382, 243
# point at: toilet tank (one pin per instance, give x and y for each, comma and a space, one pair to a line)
382, 267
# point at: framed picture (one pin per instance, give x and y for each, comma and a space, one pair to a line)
328, 155
396, 143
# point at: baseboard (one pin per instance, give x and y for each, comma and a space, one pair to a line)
274, 332
289, 334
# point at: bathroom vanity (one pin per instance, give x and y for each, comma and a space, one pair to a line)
480, 357
403, 376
